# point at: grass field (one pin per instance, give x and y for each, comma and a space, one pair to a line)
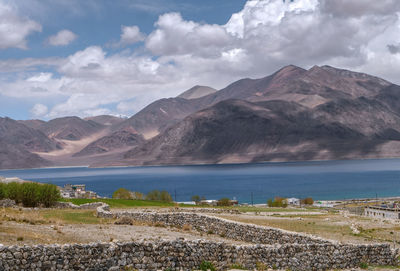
123, 203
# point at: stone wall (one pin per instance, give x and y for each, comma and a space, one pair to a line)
185, 255
271, 248
228, 229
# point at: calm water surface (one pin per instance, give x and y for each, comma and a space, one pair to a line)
320, 180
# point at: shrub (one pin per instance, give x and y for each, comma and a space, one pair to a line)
153, 195
137, 195
2, 191
237, 266
196, 198
165, 196
159, 196
48, 194
14, 192
187, 227
277, 202
30, 194
122, 193
363, 265
307, 201
206, 266
224, 202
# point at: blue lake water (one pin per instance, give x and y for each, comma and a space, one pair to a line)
321, 180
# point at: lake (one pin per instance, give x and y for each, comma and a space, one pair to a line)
325, 180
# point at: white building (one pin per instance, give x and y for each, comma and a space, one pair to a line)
293, 201
382, 212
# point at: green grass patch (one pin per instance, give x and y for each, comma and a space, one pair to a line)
122, 203
73, 216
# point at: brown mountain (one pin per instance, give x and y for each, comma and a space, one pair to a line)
311, 87
18, 141
17, 134
158, 115
14, 157
197, 92
70, 128
293, 114
116, 140
105, 120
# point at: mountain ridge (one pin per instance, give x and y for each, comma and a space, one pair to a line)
293, 114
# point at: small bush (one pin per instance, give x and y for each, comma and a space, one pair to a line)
165, 196
122, 193
2, 191
30, 194
307, 201
363, 265
13, 191
277, 202
261, 266
224, 202
156, 195
20, 238
196, 198
206, 266
210, 232
48, 195
124, 221
237, 266
187, 227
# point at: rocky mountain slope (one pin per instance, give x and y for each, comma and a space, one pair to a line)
293, 114
197, 92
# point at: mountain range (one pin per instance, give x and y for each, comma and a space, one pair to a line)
293, 114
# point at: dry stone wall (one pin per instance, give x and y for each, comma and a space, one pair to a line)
187, 255
272, 248
228, 229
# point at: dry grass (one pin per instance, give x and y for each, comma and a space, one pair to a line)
332, 226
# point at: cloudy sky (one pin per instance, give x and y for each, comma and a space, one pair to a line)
73, 57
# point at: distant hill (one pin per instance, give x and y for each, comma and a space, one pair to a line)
105, 120
70, 128
14, 133
116, 140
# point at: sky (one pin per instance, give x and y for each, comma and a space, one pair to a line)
71, 57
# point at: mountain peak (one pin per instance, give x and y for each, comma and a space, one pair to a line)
197, 92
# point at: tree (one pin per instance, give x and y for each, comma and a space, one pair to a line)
153, 195
14, 192
122, 193
277, 202
165, 196
196, 198
137, 195
48, 194
2, 191
307, 201
30, 194
224, 202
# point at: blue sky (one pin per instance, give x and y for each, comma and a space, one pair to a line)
72, 57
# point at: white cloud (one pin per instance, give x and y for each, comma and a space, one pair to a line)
261, 38
14, 29
130, 35
62, 38
39, 110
